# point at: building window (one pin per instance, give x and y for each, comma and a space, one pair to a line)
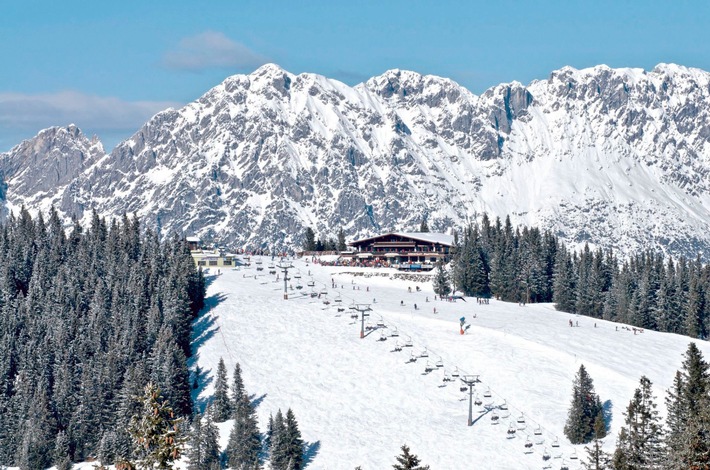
213, 262
201, 263
227, 262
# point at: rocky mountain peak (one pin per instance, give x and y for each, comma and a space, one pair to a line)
616, 157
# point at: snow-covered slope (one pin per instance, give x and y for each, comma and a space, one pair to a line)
617, 157
357, 402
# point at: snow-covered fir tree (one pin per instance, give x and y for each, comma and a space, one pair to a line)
584, 409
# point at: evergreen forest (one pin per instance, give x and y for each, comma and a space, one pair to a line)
647, 289
88, 318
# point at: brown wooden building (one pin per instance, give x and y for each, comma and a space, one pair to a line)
405, 250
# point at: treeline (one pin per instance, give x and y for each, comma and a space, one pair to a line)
323, 244
647, 290
87, 319
644, 442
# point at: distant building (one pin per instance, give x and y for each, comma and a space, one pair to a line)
405, 250
209, 258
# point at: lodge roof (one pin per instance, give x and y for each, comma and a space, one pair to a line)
429, 237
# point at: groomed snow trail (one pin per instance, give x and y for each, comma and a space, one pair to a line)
357, 401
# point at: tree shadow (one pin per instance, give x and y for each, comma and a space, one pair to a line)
202, 330
310, 450
607, 408
204, 378
256, 401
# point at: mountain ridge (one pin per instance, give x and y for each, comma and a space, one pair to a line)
615, 157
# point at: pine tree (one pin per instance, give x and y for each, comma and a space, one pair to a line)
407, 461
688, 421
597, 459
584, 409
639, 445
61, 452
423, 227
203, 452
221, 404
309, 240
239, 395
442, 286
278, 452
293, 441
155, 431
244, 444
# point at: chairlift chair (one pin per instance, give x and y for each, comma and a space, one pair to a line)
297, 275
504, 406
412, 358
495, 418
383, 337
538, 431
521, 419
428, 368
394, 333
381, 323
311, 283
324, 291
477, 401
455, 373
545, 455
397, 347
573, 455
511, 431
440, 363
338, 298
487, 393
424, 353
528, 443
555, 443
408, 343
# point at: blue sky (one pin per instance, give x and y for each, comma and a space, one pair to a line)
109, 66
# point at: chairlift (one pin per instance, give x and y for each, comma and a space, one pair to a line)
311, 283
521, 419
258, 261
381, 323
354, 316
326, 302
555, 443
545, 455
455, 373
428, 368
324, 291
424, 353
538, 431
463, 388
383, 337
447, 377
297, 275
487, 393
338, 298
564, 466
477, 401
511, 431
440, 363
397, 347
394, 333
573, 455
504, 405
412, 358
528, 443
299, 286
408, 342
495, 418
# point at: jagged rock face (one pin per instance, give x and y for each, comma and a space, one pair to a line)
37, 171
616, 157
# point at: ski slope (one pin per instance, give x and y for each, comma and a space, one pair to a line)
357, 401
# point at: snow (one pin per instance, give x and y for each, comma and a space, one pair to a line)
357, 402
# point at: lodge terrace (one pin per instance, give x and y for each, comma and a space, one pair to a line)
405, 250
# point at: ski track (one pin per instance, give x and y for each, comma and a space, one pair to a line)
357, 402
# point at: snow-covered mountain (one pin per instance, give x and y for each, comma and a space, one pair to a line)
617, 157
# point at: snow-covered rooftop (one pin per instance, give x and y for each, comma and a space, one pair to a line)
430, 237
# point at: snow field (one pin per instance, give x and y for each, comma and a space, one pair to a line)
357, 402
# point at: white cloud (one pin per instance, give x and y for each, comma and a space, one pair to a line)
211, 49
23, 115
25, 111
